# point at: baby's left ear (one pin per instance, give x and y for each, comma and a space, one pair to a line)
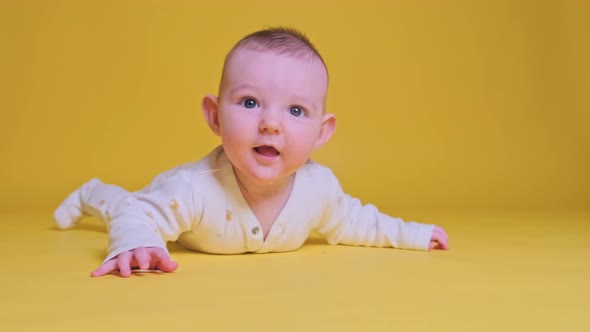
327, 129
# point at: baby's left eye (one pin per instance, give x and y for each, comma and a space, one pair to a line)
296, 111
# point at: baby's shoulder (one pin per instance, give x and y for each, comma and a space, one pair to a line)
317, 185
318, 175
187, 172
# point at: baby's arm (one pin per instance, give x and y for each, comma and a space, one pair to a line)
144, 258
348, 221
144, 222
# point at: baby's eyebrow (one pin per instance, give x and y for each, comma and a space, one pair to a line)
244, 86
305, 100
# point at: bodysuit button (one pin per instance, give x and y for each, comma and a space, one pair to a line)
255, 230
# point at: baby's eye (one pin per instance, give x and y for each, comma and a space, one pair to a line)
249, 103
296, 111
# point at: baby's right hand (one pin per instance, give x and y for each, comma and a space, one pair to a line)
144, 258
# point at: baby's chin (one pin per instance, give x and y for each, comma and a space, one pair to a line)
263, 177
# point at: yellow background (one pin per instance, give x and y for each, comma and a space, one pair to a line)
474, 115
442, 105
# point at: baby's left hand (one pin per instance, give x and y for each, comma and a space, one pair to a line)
439, 239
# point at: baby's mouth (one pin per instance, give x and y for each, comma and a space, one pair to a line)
267, 151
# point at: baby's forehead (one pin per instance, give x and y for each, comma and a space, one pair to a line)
300, 55
256, 62
246, 59
280, 74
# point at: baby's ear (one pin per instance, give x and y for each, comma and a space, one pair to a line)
327, 129
210, 106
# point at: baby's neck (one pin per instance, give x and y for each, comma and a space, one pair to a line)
266, 200
262, 190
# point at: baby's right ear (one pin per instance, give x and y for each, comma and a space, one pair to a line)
210, 106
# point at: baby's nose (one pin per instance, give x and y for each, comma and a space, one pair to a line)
270, 122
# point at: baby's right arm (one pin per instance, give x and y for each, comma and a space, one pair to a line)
142, 224
144, 258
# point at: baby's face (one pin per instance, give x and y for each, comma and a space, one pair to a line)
271, 109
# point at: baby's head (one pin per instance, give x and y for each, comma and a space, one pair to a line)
270, 112
278, 41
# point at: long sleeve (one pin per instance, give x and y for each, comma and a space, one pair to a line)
348, 221
151, 218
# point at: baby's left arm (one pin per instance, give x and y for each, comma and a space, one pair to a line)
348, 221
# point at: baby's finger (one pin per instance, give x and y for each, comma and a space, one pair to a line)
124, 263
105, 268
142, 257
163, 261
443, 242
440, 236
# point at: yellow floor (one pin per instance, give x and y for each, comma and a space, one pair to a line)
505, 272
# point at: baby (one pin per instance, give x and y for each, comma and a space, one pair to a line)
258, 191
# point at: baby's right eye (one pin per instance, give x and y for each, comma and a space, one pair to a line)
249, 103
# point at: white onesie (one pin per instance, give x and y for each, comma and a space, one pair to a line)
200, 205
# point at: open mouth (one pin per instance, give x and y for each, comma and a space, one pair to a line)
267, 151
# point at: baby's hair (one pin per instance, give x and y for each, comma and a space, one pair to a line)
281, 40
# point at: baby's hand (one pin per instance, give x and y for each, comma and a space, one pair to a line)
439, 239
144, 258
